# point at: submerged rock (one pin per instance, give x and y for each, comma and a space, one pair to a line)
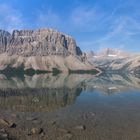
31, 118
13, 125
4, 122
67, 136
3, 136
39, 131
80, 127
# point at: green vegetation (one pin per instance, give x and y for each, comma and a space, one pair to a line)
31, 72
94, 71
10, 72
56, 71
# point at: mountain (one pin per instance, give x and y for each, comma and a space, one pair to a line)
116, 61
107, 52
40, 50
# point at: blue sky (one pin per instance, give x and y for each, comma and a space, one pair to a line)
94, 24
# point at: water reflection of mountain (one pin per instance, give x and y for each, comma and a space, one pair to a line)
37, 99
114, 83
43, 81
40, 92
49, 93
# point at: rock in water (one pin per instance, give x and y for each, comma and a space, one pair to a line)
40, 50
36, 131
13, 125
80, 127
4, 122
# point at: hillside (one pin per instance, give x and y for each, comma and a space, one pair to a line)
40, 50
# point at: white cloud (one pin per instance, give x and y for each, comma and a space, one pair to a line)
113, 27
85, 18
117, 35
10, 18
79, 19
48, 19
122, 30
116, 29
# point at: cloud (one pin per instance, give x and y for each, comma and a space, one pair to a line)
48, 19
123, 28
115, 27
10, 18
85, 18
78, 19
96, 26
119, 31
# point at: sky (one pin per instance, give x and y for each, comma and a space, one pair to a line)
95, 24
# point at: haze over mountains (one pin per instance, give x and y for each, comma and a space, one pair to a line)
115, 60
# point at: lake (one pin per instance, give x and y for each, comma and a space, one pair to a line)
70, 107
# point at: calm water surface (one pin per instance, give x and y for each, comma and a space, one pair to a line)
107, 106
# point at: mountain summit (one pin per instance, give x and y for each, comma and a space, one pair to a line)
41, 50
42, 42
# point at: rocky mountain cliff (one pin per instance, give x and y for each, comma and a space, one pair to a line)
43, 50
40, 42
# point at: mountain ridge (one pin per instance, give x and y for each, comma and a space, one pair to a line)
37, 42
41, 50
116, 61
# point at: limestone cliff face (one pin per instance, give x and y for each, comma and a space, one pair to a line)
42, 49
4, 40
41, 42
